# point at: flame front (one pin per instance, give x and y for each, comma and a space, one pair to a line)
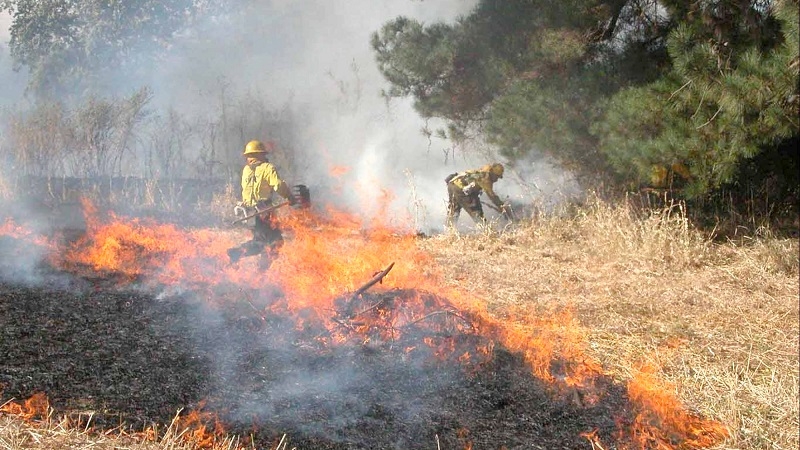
661, 420
37, 407
327, 256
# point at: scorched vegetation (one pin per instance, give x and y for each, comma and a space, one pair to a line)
604, 326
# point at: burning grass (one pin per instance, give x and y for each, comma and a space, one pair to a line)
601, 328
20, 430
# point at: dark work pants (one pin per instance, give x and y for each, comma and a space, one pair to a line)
457, 200
267, 239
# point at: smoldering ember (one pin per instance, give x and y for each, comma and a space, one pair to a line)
349, 340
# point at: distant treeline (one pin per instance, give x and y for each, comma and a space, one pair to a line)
185, 201
124, 136
142, 191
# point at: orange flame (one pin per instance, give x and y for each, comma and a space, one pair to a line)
37, 407
662, 420
137, 248
328, 257
201, 428
463, 436
338, 171
11, 229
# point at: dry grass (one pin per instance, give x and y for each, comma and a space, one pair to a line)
16, 434
69, 432
720, 320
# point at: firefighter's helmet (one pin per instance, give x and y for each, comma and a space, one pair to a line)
254, 147
495, 169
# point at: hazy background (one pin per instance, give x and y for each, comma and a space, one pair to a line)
12, 84
313, 60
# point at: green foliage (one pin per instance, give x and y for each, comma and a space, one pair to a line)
527, 73
69, 45
548, 115
437, 65
719, 105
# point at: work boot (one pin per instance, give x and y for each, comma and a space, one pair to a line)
234, 255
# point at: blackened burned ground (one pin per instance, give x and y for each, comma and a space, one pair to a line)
136, 358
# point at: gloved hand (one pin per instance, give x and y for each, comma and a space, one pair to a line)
239, 210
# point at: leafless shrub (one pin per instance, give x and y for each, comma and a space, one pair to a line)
206, 162
6, 188
241, 118
220, 203
253, 119
103, 129
102, 139
166, 145
37, 139
88, 141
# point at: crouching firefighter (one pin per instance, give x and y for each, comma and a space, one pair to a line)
259, 180
464, 190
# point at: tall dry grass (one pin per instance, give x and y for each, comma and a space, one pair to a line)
75, 432
720, 320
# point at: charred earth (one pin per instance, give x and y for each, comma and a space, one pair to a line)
133, 357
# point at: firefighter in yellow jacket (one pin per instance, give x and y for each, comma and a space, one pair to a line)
259, 181
464, 190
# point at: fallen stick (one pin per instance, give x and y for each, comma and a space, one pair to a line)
376, 279
344, 324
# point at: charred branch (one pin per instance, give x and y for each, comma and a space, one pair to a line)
378, 278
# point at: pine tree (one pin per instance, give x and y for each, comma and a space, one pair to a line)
730, 94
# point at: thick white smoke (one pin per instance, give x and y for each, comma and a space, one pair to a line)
313, 57
316, 56
12, 84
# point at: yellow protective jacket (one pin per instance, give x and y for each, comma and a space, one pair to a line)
475, 181
259, 181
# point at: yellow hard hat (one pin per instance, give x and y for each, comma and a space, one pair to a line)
253, 147
496, 169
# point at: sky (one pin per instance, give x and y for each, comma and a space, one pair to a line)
315, 56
